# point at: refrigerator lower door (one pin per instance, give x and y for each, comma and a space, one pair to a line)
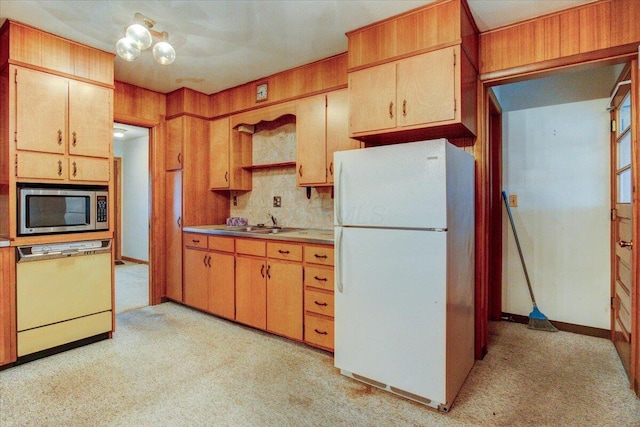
390, 305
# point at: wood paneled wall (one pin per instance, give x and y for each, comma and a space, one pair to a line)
135, 105
188, 101
595, 31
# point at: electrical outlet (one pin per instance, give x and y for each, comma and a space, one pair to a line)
235, 200
277, 201
513, 200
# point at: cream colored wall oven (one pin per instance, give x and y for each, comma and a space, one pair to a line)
63, 293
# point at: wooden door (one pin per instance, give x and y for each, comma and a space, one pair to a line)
284, 299
219, 174
41, 111
173, 235
251, 293
196, 278
426, 88
623, 278
338, 128
311, 136
173, 147
90, 119
222, 285
372, 98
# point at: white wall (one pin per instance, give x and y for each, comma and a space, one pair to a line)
135, 197
556, 159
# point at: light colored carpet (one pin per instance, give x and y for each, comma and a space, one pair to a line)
168, 365
132, 286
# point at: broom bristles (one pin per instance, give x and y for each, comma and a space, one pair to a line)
539, 321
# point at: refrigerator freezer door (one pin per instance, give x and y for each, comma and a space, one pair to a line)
401, 186
390, 308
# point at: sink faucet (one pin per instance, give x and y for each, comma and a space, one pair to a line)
274, 220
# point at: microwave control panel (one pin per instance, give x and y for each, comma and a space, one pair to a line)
101, 211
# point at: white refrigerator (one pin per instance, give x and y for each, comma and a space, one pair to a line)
404, 242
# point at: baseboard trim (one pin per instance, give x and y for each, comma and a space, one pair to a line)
137, 261
562, 326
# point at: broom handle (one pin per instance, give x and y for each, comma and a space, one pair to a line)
515, 234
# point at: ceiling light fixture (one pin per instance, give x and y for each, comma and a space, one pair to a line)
119, 132
139, 36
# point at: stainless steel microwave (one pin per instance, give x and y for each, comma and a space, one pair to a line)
62, 210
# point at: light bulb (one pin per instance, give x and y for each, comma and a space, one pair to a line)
164, 53
140, 36
126, 50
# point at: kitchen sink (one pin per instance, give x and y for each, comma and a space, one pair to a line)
268, 230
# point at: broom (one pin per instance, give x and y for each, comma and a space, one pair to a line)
537, 320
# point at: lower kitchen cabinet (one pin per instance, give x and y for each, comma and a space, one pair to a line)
251, 291
282, 287
7, 306
284, 299
196, 278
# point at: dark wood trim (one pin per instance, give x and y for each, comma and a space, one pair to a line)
135, 260
562, 326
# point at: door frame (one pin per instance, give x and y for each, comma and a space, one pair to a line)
486, 216
117, 208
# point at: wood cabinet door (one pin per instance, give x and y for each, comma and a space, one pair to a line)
337, 128
89, 169
311, 136
426, 88
222, 285
372, 98
173, 235
251, 293
284, 299
41, 111
90, 119
41, 166
196, 278
173, 148
219, 174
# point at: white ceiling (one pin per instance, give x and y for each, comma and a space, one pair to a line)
225, 43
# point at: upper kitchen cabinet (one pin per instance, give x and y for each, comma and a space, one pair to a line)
230, 150
321, 130
414, 76
72, 142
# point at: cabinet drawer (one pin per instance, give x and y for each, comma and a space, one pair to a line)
318, 254
194, 240
319, 277
223, 244
251, 247
318, 331
318, 302
284, 251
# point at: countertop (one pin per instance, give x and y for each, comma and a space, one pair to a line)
304, 235
4, 243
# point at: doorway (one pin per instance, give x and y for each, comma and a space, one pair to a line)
131, 230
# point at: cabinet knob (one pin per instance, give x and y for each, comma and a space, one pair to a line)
391, 110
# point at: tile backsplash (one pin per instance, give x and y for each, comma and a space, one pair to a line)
276, 146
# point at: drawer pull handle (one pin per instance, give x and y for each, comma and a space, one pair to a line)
59, 137
283, 252
262, 271
75, 169
321, 304
321, 279
59, 168
195, 240
74, 139
391, 110
320, 332
320, 256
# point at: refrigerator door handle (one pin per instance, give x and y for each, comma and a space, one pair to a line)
338, 260
337, 196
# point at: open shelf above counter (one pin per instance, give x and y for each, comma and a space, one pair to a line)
270, 165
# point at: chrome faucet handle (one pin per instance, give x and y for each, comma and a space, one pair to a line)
274, 220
